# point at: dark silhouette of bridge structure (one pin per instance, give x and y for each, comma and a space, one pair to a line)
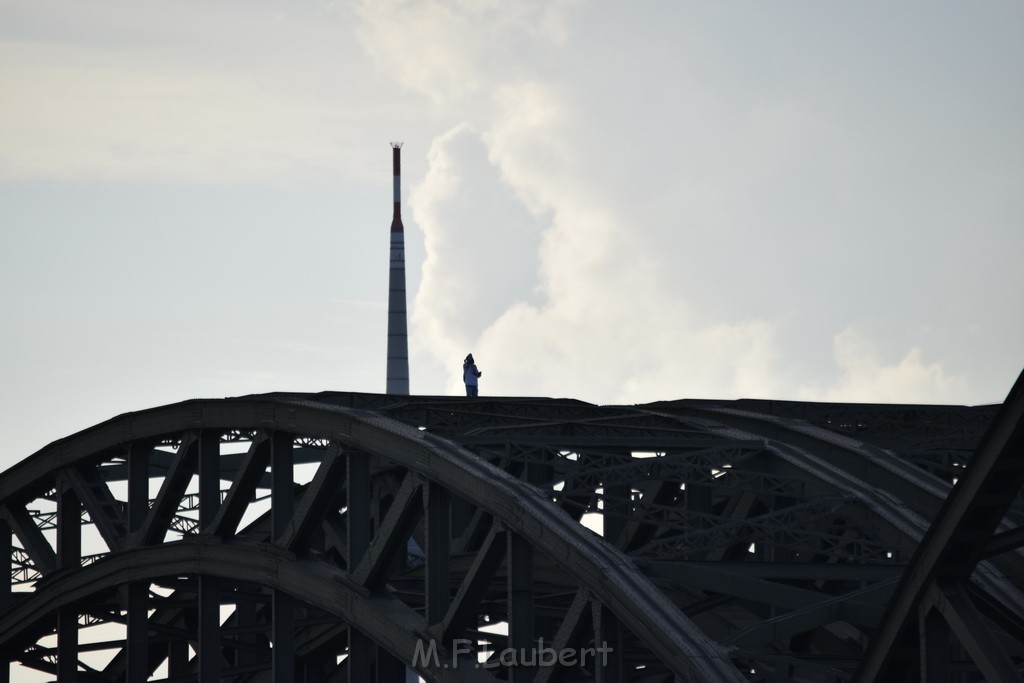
355, 537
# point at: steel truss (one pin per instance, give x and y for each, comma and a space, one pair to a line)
350, 537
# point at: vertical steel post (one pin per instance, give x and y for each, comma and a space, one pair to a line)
282, 506
208, 647
283, 638
209, 589
520, 605
177, 658
209, 476
462, 515
246, 613
616, 510
358, 482
282, 483
608, 645
540, 474
138, 484
358, 542
398, 338
137, 635
933, 632
438, 580
69, 556
137, 630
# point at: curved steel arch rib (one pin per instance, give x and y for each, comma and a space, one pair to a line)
950, 553
977, 605
388, 621
608, 574
775, 536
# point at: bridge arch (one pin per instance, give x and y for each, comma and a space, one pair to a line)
327, 536
512, 517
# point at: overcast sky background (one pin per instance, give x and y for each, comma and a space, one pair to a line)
617, 202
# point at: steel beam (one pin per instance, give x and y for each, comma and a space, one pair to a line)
520, 435
682, 572
358, 523
569, 635
208, 648
863, 607
137, 631
520, 605
138, 484
936, 659
243, 487
951, 600
283, 637
963, 529
390, 542
209, 476
69, 558
1004, 542
32, 539
175, 482
437, 517
526, 510
462, 611
385, 619
282, 487
104, 510
177, 658
311, 508
608, 662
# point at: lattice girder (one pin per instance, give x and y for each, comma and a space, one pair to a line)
282, 533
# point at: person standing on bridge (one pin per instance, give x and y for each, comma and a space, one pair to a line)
470, 375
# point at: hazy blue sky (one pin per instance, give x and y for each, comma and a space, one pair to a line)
619, 202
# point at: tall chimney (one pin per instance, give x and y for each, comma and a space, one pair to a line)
398, 336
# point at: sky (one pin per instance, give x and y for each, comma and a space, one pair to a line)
616, 202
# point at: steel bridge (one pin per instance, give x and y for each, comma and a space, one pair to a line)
360, 537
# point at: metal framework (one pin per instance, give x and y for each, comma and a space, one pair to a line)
355, 537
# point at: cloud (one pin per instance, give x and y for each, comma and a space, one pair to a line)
865, 377
481, 245
449, 50
689, 206
593, 319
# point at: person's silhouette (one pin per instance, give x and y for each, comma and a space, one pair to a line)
470, 376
